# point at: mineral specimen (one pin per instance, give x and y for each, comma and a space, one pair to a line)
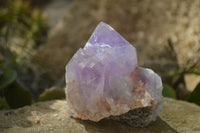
104, 81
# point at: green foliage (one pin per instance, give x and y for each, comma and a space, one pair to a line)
17, 96
3, 104
182, 72
7, 77
38, 28
51, 94
22, 19
173, 74
168, 91
22, 30
195, 72
195, 95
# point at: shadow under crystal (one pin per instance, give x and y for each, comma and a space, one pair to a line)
111, 126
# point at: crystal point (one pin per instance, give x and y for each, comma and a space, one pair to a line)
104, 80
105, 35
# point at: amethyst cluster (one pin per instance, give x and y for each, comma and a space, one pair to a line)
104, 81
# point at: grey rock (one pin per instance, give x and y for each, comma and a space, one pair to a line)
51, 116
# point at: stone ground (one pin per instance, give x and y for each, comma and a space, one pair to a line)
51, 116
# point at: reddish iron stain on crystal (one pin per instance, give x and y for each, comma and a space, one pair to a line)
103, 79
132, 76
105, 104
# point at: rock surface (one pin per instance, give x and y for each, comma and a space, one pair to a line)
51, 116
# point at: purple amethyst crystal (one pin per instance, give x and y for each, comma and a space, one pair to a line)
104, 81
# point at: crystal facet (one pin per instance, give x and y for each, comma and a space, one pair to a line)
104, 81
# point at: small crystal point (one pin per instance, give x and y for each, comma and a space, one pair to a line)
104, 81
105, 35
